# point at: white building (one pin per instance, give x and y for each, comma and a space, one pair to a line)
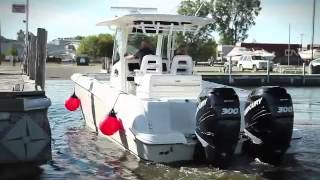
63, 48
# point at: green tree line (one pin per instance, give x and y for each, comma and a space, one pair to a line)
96, 46
12, 51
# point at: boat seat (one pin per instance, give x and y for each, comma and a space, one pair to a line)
168, 85
151, 64
133, 64
181, 65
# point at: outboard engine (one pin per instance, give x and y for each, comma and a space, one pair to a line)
218, 125
268, 119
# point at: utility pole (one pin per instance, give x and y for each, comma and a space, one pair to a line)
313, 19
289, 50
27, 20
0, 43
25, 64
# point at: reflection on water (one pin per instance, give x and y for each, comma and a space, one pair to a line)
80, 154
306, 105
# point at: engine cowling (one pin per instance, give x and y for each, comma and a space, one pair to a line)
268, 119
218, 125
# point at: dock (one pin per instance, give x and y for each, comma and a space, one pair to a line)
25, 135
294, 76
264, 80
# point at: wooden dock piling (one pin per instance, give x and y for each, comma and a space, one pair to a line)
41, 58
33, 57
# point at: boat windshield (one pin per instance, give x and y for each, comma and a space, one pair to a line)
135, 41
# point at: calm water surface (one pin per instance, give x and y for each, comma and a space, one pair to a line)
80, 154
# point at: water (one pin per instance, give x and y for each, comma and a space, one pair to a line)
80, 154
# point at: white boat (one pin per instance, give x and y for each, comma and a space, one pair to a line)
307, 54
236, 53
264, 53
157, 101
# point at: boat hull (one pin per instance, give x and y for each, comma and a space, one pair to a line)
95, 109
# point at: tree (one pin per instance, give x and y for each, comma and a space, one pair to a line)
96, 46
20, 35
88, 45
2, 56
12, 51
79, 37
201, 46
200, 49
105, 45
198, 8
234, 18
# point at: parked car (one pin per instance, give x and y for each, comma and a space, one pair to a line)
82, 60
53, 59
255, 63
314, 66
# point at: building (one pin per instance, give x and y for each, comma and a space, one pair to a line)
64, 41
63, 49
314, 46
223, 50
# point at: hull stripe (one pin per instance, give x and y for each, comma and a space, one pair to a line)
93, 109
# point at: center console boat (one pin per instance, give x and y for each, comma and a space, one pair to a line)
168, 114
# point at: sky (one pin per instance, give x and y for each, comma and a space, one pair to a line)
69, 18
